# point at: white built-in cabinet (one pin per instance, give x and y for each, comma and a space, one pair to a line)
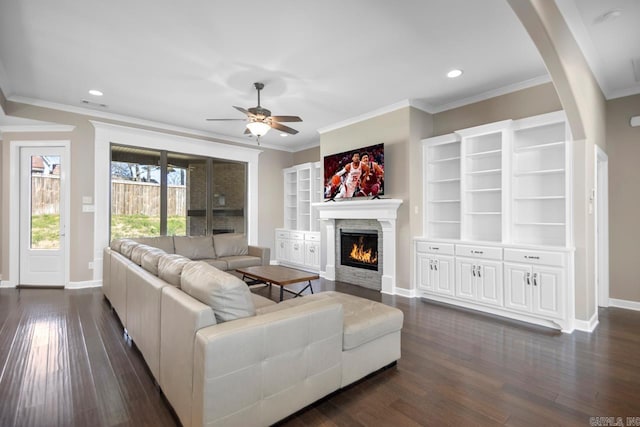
498, 214
298, 243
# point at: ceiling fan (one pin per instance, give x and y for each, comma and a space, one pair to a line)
259, 119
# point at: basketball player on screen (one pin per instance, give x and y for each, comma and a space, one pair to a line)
353, 171
371, 181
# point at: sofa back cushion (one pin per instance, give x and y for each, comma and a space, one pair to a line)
228, 296
170, 268
116, 244
194, 247
138, 251
127, 247
230, 244
150, 260
161, 242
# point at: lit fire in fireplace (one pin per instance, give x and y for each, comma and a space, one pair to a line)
360, 254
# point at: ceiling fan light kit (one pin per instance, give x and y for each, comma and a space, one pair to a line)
260, 119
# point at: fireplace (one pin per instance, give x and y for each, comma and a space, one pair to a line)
359, 248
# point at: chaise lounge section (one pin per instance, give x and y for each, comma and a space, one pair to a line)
225, 356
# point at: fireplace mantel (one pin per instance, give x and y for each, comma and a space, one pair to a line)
384, 211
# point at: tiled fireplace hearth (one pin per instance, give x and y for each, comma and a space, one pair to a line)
374, 215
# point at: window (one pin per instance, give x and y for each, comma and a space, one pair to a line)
157, 192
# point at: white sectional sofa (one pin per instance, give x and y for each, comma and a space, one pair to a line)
225, 356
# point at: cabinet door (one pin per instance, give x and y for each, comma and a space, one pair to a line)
489, 282
465, 278
281, 249
548, 295
312, 254
517, 287
424, 267
443, 270
296, 253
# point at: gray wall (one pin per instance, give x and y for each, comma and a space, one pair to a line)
306, 156
623, 150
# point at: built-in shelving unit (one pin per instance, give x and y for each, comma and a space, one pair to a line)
539, 184
497, 221
442, 159
482, 182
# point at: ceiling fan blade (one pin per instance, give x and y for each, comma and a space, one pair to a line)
223, 120
286, 118
283, 128
242, 110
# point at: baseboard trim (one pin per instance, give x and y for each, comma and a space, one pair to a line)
407, 293
621, 303
84, 284
7, 284
586, 326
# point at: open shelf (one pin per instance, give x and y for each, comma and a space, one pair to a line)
484, 190
480, 154
539, 172
445, 201
545, 146
449, 159
438, 181
484, 172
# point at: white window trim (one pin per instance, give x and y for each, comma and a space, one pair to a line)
106, 133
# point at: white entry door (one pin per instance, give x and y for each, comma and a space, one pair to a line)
43, 240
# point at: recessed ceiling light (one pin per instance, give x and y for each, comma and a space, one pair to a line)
95, 92
284, 134
454, 73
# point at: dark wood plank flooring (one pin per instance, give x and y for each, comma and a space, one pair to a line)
63, 361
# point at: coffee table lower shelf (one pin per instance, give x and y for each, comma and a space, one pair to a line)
277, 275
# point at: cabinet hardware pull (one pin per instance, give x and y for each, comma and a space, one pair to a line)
479, 271
528, 278
433, 248
435, 265
535, 279
473, 270
430, 264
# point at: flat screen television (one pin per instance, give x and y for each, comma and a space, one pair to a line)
355, 173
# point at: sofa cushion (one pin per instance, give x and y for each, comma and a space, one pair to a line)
241, 261
150, 260
170, 268
194, 247
138, 251
259, 301
116, 244
161, 242
230, 244
227, 295
220, 264
364, 320
127, 247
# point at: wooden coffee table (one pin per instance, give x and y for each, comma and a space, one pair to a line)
278, 275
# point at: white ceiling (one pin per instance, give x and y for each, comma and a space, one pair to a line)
179, 63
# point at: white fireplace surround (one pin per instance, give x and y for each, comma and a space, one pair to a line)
384, 211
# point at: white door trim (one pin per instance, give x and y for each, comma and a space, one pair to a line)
14, 201
602, 228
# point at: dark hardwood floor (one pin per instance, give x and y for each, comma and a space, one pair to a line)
63, 361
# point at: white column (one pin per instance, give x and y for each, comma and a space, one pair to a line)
388, 285
330, 268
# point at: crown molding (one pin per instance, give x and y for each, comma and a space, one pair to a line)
536, 81
306, 146
365, 116
141, 122
37, 128
621, 93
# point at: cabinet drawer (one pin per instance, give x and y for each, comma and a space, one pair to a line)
486, 252
535, 257
312, 237
282, 234
435, 248
296, 235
